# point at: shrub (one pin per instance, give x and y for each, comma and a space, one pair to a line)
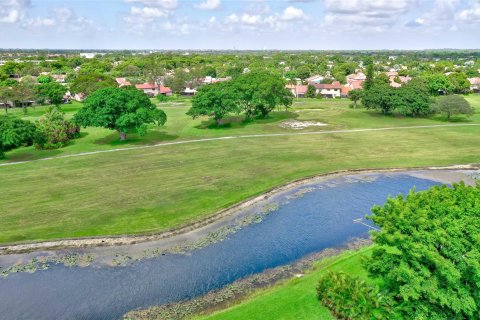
53, 131
352, 298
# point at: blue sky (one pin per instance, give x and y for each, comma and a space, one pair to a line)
240, 24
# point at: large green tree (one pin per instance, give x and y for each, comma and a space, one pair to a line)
453, 105
413, 98
215, 100
51, 91
427, 254
6, 95
123, 109
15, 133
260, 92
90, 82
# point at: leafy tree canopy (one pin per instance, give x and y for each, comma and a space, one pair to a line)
215, 100
51, 91
123, 109
428, 252
453, 105
15, 133
90, 82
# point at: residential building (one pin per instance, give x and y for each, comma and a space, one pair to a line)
299, 91
474, 84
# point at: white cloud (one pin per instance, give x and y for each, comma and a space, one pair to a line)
251, 19
470, 15
147, 12
165, 4
11, 16
374, 15
292, 13
209, 5
40, 22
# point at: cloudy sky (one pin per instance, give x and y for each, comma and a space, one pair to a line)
240, 24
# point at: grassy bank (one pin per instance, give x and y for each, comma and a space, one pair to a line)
295, 298
153, 189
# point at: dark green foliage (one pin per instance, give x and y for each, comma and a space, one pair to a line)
51, 91
350, 297
438, 84
453, 105
123, 109
413, 98
303, 72
15, 133
355, 96
44, 79
53, 131
460, 83
428, 252
261, 92
311, 91
215, 100
370, 76
87, 83
380, 96
256, 93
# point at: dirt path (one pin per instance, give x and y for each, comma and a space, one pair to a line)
265, 135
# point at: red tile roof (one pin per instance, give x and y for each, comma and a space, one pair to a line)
165, 89
144, 86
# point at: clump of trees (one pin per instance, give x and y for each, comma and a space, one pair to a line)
411, 98
53, 130
255, 94
123, 109
87, 83
426, 260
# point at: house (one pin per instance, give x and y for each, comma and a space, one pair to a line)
149, 89
328, 90
394, 78
299, 91
166, 91
153, 90
474, 84
122, 82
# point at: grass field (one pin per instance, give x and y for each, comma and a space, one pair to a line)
295, 298
154, 189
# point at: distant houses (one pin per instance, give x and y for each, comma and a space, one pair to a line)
474, 84
328, 90
153, 90
298, 91
122, 82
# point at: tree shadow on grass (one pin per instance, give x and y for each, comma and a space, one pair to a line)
151, 138
32, 154
240, 121
453, 119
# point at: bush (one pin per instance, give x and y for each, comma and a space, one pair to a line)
352, 298
53, 131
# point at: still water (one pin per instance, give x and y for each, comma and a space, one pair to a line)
302, 224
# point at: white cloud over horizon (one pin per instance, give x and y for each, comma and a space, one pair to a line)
248, 23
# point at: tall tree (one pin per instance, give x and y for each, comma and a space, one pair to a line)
370, 76
215, 100
123, 109
261, 92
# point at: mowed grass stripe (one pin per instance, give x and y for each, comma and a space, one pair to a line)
150, 190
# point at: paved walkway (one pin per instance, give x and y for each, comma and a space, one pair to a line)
243, 137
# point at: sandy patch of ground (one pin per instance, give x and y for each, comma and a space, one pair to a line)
299, 125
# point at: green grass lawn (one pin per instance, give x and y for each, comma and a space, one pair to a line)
295, 298
154, 189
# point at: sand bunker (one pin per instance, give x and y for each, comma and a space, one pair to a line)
298, 125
